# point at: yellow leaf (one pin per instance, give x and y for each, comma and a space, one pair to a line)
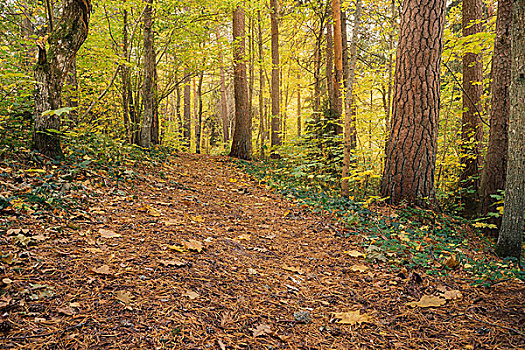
152, 211
197, 218
428, 301
244, 236
233, 180
177, 248
351, 317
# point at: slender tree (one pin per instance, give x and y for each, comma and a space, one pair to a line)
495, 169
472, 128
148, 96
350, 138
187, 109
262, 131
411, 156
53, 62
338, 60
224, 104
511, 233
242, 139
275, 121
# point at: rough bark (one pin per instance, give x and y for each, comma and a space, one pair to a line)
51, 69
511, 233
350, 135
495, 169
411, 155
149, 68
198, 119
275, 95
242, 140
472, 128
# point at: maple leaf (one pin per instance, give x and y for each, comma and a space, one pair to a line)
351, 317
428, 301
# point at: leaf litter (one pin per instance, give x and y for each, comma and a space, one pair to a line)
132, 289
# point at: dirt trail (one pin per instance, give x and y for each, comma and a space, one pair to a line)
270, 275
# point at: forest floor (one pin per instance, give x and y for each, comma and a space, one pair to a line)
196, 254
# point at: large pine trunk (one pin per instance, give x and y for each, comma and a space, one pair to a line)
242, 139
494, 171
471, 129
51, 70
411, 155
511, 233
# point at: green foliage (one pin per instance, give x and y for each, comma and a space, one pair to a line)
411, 238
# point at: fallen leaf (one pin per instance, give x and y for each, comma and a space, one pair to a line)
124, 296
261, 330
152, 211
428, 301
252, 271
7, 280
74, 304
221, 344
39, 238
359, 268
171, 222
191, 294
108, 233
177, 248
270, 236
354, 253
102, 270
244, 236
452, 262
452, 294
66, 310
94, 250
177, 263
351, 317
196, 218
193, 245
227, 319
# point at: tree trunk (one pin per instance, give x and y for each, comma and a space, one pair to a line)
275, 133
511, 233
299, 121
149, 73
187, 109
198, 119
495, 169
350, 136
411, 155
242, 140
51, 69
124, 72
317, 70
471, 128
338, 59
329, 57
262, 131
224, 104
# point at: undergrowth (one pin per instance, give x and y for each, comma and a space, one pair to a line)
411, 238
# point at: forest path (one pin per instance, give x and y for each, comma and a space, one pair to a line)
204, 257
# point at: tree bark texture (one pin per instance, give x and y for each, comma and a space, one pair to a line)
262, 131
471, 126
148, 98
329, 57
51, 69
275, 121
495, 169
350, 135
242, 139
198, 119
411, 155
511, 233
